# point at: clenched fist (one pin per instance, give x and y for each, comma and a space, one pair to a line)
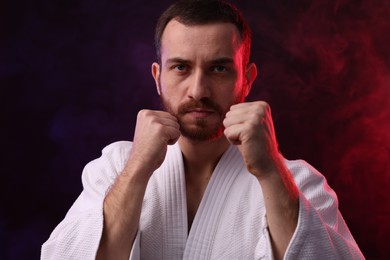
153, 132
250, 127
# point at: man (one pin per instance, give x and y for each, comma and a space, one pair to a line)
203, 179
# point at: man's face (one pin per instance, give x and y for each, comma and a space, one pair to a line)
201, 75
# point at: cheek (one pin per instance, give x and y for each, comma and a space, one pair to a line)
170, 92
239, 94
240, 87
234, 92
169, 86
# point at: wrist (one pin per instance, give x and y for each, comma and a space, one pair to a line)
268, 167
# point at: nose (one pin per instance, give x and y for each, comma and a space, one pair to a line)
199, 86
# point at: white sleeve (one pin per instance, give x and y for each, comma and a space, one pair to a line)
321, 232
78, 235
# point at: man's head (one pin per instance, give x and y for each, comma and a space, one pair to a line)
200, 12
202, 69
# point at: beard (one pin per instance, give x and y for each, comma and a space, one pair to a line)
201, 129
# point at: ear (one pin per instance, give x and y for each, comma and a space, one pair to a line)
250, 76
156, 76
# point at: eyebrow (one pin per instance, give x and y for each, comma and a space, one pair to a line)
223, 60
177, 60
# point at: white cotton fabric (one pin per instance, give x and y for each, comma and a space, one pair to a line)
230, 222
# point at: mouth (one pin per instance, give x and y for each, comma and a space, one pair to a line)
200, 112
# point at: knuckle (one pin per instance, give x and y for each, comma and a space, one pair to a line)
261, 104
159, 127
253, 117
143, 113
267, 107
262, 108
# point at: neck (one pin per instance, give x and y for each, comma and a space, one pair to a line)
202, 157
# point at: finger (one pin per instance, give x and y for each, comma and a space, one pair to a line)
233, 133
233, 119
172, 122
254, 118
151, 117
259, 104
146, 113
173, 137
171, 133
249, 109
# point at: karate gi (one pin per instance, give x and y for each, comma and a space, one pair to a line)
230, 222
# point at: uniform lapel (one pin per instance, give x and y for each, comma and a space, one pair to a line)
201, 237
175, 229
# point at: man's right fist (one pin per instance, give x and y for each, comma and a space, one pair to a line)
153, 132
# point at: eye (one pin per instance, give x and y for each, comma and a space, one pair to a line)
180, 67
219, 69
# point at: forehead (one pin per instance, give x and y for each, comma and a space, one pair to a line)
215, 39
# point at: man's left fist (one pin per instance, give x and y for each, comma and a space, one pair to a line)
250, 127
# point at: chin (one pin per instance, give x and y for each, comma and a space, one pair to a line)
202, 135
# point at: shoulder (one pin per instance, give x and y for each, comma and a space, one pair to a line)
117, 148
312, 184
308, 179
108, 165
303, 172
114, 154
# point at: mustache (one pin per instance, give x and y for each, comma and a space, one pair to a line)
205, 103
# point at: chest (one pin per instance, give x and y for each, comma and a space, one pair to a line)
223, 220
195, 190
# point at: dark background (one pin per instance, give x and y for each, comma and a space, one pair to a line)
73, 75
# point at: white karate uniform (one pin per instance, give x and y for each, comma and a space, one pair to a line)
230, 222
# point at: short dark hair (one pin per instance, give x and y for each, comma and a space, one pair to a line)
199, 12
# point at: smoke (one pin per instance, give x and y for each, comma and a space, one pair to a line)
325, 69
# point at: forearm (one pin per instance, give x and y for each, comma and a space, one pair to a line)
122, 210
281, 201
